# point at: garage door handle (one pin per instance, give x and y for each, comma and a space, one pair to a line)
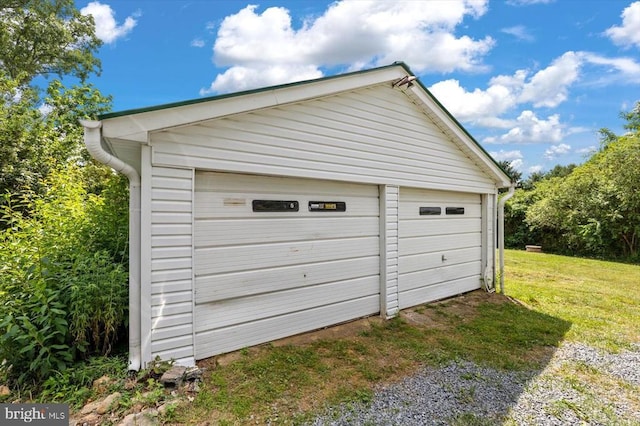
444, 258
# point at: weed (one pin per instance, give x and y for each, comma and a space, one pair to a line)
470, 419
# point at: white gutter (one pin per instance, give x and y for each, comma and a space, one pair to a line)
501, 204
92, 139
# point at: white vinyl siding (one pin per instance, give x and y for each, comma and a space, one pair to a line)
389, 238
260, 276
440, 255
371, 135
171, 263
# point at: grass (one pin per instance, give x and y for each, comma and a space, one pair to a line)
601, 300
550, 299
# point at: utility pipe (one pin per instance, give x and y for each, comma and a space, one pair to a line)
92, 140
501, 204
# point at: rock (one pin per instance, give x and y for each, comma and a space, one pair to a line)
147, 417
90, 408
101, 384
91, 419
194, 373
173, 376
162, 410
130, 419
108, 403
4, 390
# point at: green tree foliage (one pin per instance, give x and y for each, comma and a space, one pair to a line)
39, 130
596, 209
592, 209
43, 37
63, 292
515, 175
63, 232
37, 135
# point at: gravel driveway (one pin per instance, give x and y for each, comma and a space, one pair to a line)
579, 386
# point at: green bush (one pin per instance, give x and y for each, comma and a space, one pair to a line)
63, 291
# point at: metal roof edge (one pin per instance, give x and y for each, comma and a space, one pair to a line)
169, 105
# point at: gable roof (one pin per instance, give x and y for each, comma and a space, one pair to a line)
135, 125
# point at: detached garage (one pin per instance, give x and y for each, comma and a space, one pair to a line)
263, 214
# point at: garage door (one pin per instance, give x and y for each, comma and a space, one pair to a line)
279, 256
439, 244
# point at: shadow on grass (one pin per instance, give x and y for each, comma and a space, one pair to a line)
478, 352
466, 358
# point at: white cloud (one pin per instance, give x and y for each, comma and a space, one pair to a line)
549, 87
355, 34
503, 155
628, 34
546, 88
514, 158
107, 29
477, 106
520, 32
528, 128
624, 68
244, 78
587, 150
535, 169
553, 151
197, 42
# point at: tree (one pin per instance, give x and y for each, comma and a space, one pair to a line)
632, 119
515, 175
39, 130
596, 209
37, 135
44, 37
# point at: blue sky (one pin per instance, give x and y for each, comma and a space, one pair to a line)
531, 80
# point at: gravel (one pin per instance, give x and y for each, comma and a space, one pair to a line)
463, 393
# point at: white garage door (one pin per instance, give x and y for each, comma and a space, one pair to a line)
279, 256
439, 245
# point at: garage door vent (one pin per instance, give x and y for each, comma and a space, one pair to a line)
455, 210
430, 211
275, 206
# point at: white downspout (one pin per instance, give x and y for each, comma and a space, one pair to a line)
501, 204
92, 139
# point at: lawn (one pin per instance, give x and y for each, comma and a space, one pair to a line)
549, 300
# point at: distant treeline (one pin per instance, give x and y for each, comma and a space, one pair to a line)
588, 210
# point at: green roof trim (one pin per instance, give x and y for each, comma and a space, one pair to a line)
299, 83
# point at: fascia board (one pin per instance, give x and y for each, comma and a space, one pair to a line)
137, 126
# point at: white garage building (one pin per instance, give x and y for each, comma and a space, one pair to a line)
263, 214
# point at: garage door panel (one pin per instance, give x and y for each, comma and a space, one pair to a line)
226, 339
239, 205
428, 277
235, 311
437, 291
419, 195
210, 288
439, 255
440, 243
227, 259
209, 182
281, 269
419, 262
422, 228
211, 233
